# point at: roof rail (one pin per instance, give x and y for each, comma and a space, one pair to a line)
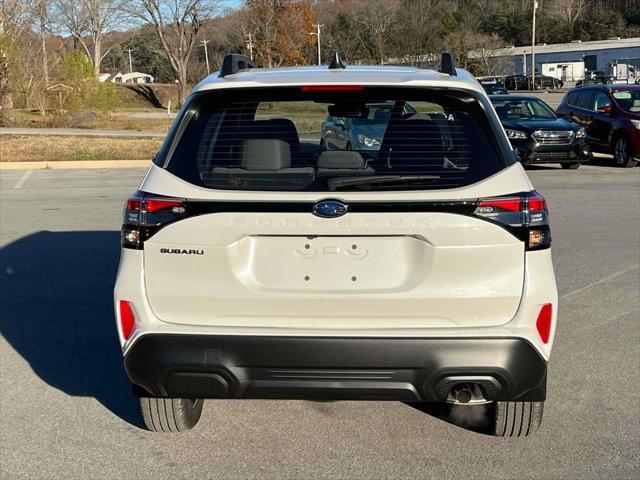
447, 64
336, 62
234, 63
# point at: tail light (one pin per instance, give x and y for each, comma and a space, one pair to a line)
145, 214
524, 214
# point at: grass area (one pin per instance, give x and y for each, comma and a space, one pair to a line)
307, 116
119, 120
32, 149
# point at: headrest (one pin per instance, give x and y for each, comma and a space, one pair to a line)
340, 159
265, 154
278, 128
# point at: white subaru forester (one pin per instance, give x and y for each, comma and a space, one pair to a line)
259, 260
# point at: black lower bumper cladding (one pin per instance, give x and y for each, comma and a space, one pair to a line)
344, 368
532, 152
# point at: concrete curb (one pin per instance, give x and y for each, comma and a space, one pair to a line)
70, 164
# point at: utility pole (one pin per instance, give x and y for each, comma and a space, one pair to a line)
206, 53
43, 39
249, 44
533, 47
317, 34
130, 63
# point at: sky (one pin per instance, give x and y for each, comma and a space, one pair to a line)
232, 3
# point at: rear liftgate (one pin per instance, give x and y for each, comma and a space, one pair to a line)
267, 266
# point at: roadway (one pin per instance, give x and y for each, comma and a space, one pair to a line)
82, 132
67, 411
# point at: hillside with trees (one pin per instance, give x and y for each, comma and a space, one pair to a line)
51, 52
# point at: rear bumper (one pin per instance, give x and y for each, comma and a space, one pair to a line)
345, 368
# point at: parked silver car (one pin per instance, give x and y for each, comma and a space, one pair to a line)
364, 132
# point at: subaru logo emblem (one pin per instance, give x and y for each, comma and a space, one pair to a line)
329, 209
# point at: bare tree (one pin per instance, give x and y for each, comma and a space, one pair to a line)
419, 29
90, 21
177, 23
15, 18
569, 10
486, 47
43, 26
376, 22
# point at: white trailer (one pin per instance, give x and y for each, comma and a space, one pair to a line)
623, 73
565, 71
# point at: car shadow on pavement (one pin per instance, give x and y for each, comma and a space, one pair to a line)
470, 417
57, 312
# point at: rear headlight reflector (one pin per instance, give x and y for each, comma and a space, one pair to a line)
543, 323
127, 319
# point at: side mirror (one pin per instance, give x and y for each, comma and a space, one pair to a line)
339, 122
605, 109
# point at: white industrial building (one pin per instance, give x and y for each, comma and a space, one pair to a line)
569, 61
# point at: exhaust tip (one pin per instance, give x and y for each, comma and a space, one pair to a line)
465, 393
468, 389
462, 393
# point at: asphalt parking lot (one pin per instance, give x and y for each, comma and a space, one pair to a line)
66, 409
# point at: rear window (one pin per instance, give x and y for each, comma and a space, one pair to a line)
584, 99
628, 100
296, 139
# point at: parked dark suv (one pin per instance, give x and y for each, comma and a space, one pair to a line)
517, 82
538, 135
611, 116
523, 82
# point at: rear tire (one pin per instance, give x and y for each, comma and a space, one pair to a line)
170, 415
517, 419
570, 166
622, 152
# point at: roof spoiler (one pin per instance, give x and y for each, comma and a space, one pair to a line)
234, 63
447, 64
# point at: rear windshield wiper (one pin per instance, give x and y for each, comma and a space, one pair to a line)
342, 182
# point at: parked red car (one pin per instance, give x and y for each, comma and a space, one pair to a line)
611, 116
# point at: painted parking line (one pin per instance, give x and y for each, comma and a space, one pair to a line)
601, 281
22, 180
